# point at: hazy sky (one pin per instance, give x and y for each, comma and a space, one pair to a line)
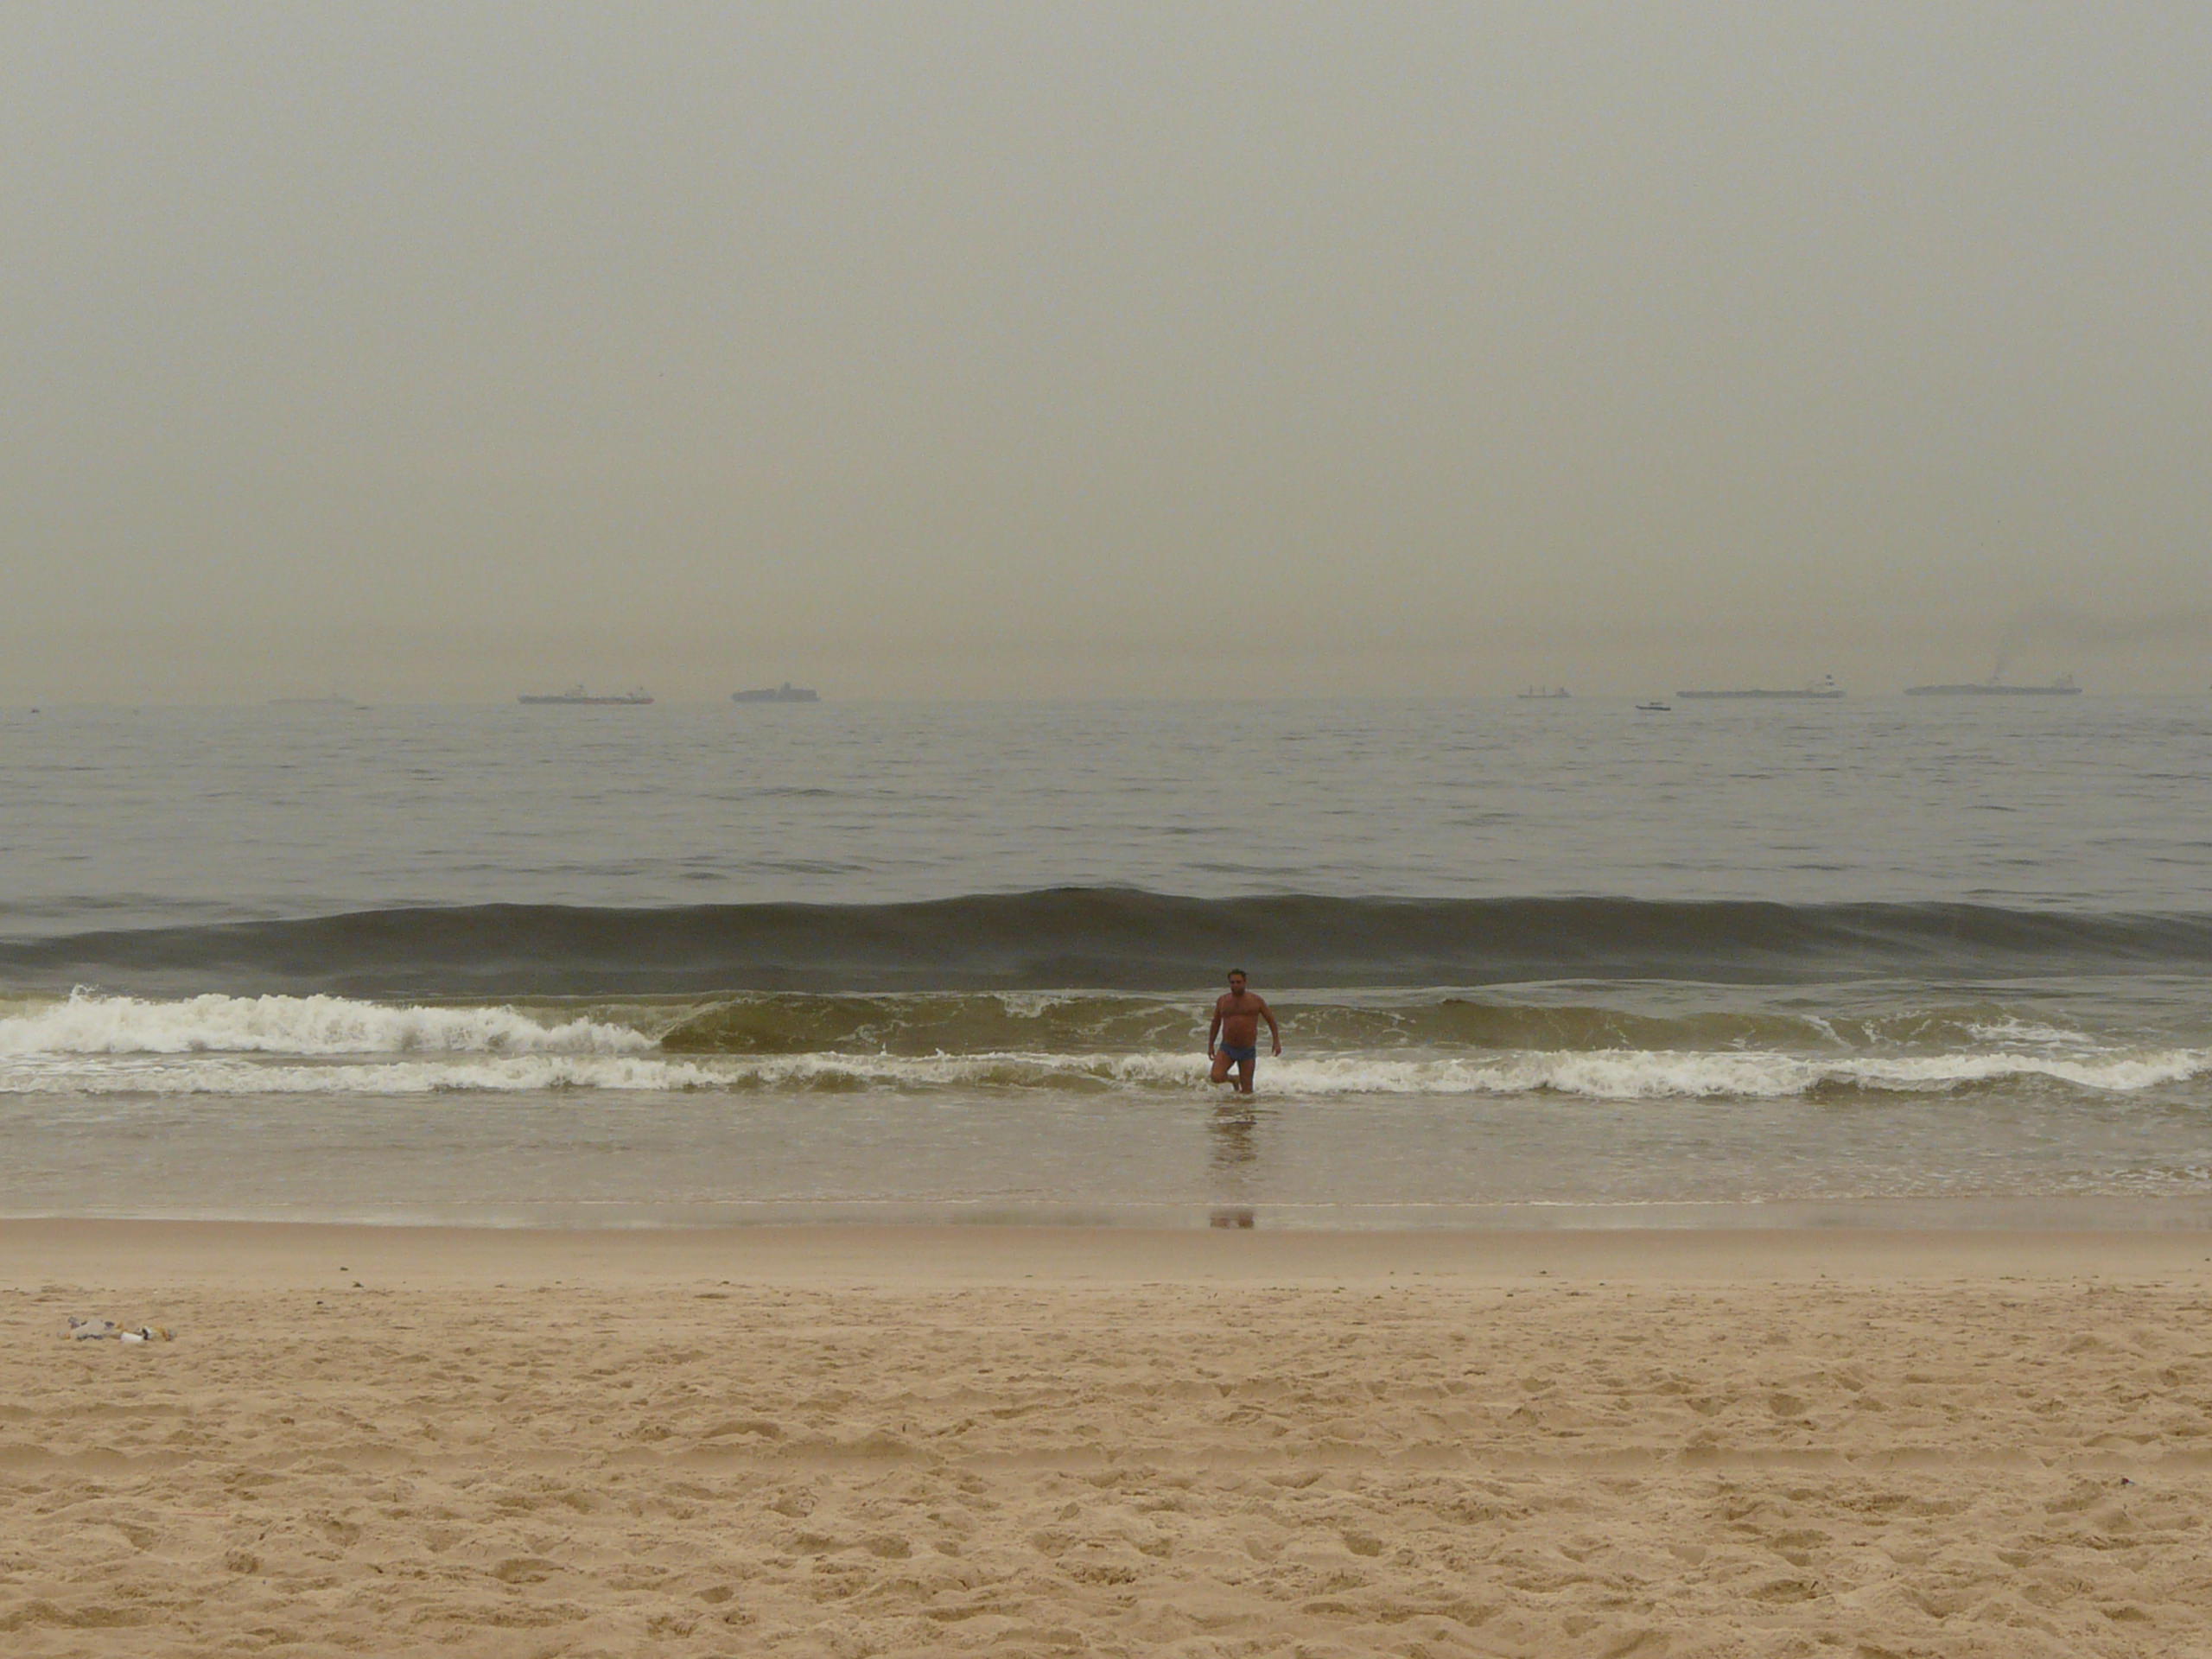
449, 350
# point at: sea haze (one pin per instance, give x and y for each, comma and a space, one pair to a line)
665, 964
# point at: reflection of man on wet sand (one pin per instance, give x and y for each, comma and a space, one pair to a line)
1234, 1037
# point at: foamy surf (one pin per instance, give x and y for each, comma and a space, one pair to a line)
87, 1023
521, 1074
1625, 1075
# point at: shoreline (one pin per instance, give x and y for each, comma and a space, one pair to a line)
2022, 1215
279, 1256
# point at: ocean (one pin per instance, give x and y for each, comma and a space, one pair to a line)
1536, 963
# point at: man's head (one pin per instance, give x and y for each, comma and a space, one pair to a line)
1236, 981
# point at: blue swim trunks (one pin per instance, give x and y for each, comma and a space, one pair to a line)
1240, 1055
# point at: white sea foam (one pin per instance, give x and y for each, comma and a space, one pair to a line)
1649, 1074
1032, 1005
92, 1024
2025, 1031
517, 1074
1625, 1074
1633, 1074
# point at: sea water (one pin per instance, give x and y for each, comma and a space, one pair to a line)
1534, 962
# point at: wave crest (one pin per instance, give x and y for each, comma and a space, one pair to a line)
91, 1024
1100, 938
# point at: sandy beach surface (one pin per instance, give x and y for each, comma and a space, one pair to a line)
855, 1441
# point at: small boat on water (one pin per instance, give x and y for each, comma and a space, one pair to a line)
1654, 707
785, 693
577, 694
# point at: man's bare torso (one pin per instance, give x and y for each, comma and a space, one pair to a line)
1239, 1013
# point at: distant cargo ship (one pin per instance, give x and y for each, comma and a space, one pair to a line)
785, 693
333, 701
1541, 694
2063, 686
577, 694
1824, 690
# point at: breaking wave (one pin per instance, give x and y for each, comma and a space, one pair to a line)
87, 1024
1349, 1045
921, 1024
956, 1022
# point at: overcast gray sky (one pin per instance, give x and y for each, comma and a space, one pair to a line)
449, 350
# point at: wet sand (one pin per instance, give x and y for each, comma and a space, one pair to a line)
856, 1441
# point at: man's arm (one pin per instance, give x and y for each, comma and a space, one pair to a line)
1213, 1030
1274, 1029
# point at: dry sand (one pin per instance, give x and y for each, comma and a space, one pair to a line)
866, 1441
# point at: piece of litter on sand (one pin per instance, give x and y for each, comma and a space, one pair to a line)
88, 1329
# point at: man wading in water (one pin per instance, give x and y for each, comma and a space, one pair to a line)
1237, 1024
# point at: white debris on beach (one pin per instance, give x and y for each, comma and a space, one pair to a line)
83, 1329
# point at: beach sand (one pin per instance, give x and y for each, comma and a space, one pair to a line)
857, 1441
